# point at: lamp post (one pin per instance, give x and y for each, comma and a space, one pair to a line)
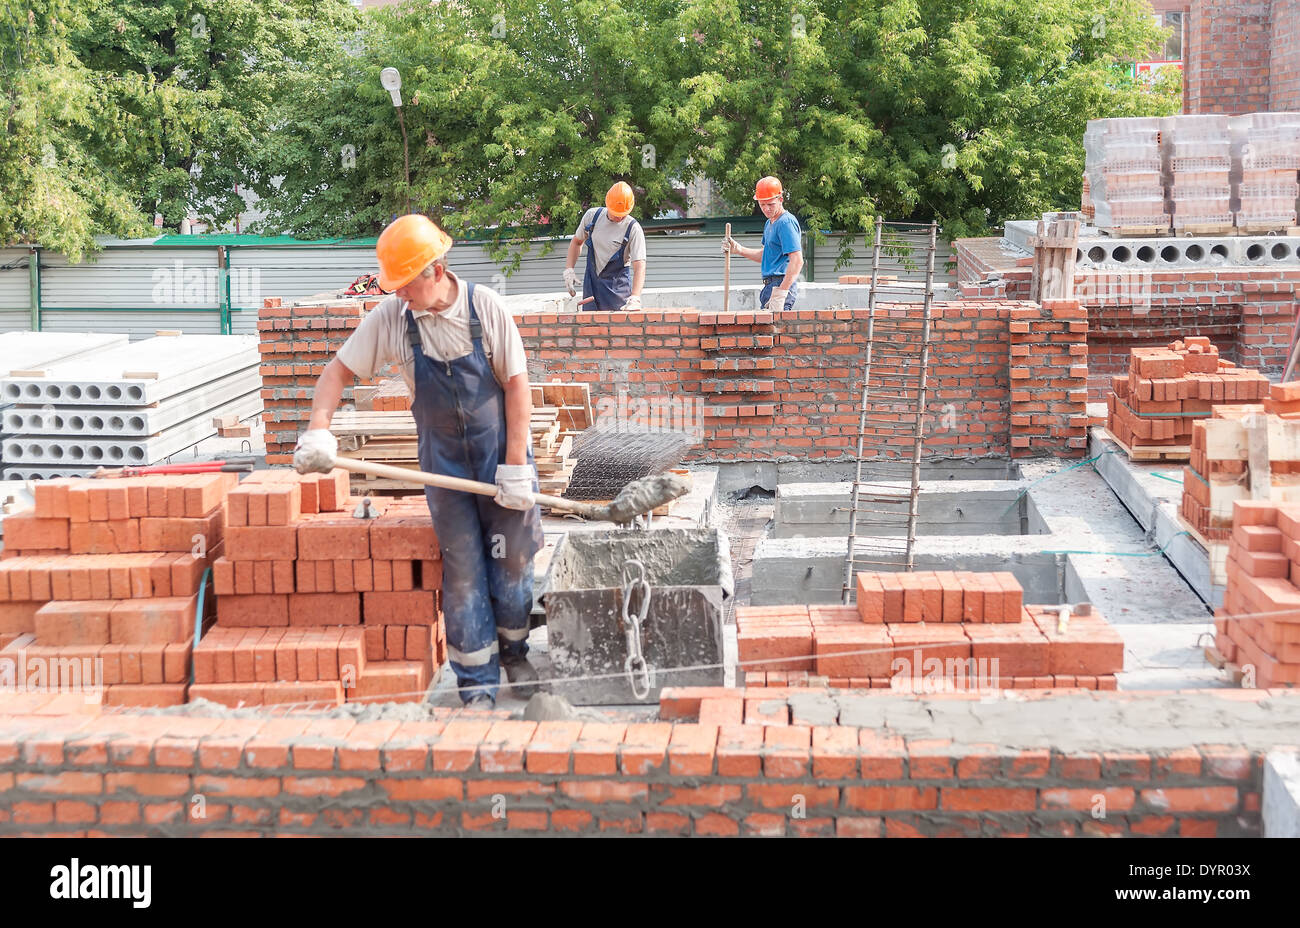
392, 82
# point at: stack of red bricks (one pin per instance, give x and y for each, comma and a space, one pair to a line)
902, 621
337, 606
100, 581
1283, 400
1168, 389
297, 341
1049, 379
1259, 624
390, 396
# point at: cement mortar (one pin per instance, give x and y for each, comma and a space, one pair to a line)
1069, 722
645, 495
671, 557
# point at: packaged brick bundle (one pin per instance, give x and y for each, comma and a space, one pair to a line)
1197, 159
1266, 159
1125, 184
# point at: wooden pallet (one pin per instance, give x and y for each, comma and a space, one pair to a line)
1216, 553
1206, 228
1137, 231
1266, 229
1146, 453
1219, 662
390, 438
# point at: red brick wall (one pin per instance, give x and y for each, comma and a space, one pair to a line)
751, 386
1227, 56
800, 374
71, 775
1246, 312
1049, 379
1284, 81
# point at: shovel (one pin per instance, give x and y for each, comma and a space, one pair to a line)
638, 497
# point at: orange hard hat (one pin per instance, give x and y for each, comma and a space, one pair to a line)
769, 188
619, 201
409, 245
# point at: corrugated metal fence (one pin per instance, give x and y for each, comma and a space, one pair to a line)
138, 287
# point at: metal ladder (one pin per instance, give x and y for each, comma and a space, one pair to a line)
891, 427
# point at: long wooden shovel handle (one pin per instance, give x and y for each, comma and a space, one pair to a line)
726, 272
410, 475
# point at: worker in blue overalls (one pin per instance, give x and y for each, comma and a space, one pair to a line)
615, 255
460, 353
781, 257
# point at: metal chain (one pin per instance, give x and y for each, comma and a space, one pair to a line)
638, 672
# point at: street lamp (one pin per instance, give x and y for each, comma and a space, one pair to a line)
391, 81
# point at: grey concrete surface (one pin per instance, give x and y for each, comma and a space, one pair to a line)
1280, 804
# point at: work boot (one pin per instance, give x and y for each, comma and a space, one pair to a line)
522, 676
480, 701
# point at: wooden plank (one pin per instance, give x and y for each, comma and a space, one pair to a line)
1152, 452
1261, 482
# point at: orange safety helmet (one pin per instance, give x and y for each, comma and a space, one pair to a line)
619, 201
409, 245
769, 188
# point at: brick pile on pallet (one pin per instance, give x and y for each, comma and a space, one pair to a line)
100, 581
954, 616
1268, 146
1283, 400
1125, 185
1197, 156
316, 605
297, 341
1168, 389
1218, 474
1259, 624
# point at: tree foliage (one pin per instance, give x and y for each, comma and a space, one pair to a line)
54, 187
148, 106
523, 112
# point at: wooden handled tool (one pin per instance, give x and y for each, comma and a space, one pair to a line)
639, 496
726, 272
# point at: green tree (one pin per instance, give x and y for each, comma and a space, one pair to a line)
970, 112
53, 188
120, 109
191, 85
517, 113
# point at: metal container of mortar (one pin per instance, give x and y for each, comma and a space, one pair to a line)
612, 594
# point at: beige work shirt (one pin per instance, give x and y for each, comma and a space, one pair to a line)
381, 337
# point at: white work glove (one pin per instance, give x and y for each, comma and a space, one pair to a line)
571, 280
729, 246
514, 486
633, 303
315, 452
776, 302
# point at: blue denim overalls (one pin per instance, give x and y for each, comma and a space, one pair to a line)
487, 550
612, 286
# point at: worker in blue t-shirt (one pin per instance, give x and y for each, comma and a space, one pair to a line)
781, 257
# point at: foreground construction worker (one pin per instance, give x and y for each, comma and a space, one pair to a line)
615, 254
781, 257
463, 361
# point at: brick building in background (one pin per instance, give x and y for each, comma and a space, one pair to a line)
1238, 56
